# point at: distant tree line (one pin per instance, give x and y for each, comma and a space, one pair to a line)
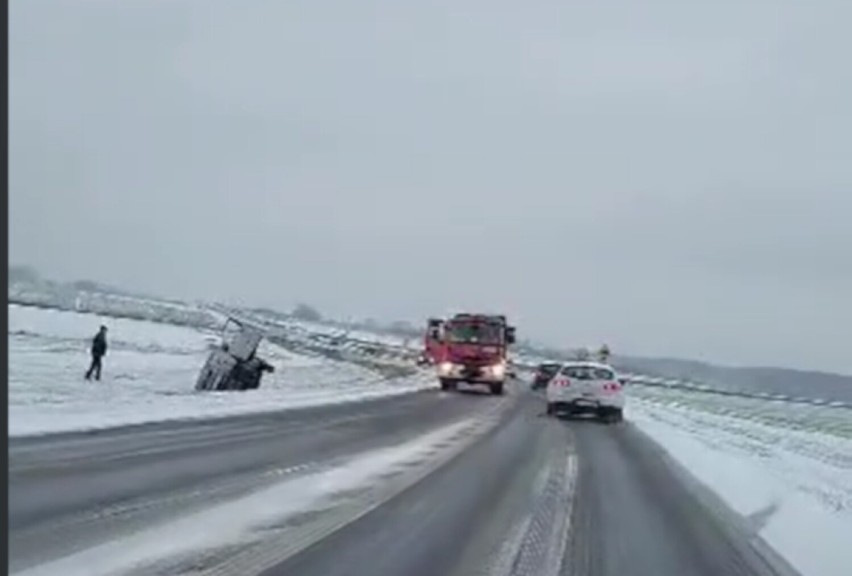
21, 274
306, 313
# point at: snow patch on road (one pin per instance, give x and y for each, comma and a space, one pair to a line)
241, 521
150, 372
794, 486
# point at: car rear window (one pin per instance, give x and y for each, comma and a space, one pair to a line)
588, 373
548, 369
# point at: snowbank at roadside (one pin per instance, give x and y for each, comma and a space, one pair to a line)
793, 483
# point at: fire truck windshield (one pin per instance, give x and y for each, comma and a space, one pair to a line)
474, 333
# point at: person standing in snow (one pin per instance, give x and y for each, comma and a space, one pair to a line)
99, 348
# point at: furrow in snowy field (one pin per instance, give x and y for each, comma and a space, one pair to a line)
818, 418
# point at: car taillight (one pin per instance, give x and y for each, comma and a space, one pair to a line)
562, 382
612, 386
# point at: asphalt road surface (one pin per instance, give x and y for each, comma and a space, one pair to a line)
532, 495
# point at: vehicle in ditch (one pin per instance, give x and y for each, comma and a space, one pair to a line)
234, 364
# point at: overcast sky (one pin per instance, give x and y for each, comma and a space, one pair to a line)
673, 178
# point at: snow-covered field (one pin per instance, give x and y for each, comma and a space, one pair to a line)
149, 374
791, 476
66, 297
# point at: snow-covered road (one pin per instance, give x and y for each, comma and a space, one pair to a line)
249, 518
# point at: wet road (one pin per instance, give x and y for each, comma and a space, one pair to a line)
531, 495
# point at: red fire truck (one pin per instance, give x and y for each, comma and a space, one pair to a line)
470, 348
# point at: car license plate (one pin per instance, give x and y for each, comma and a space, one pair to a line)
581, 402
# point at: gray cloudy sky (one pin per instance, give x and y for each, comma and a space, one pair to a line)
673, 178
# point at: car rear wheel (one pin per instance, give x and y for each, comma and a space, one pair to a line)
612, 416
447, 385
497, 389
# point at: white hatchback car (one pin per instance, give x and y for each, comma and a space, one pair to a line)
586, 387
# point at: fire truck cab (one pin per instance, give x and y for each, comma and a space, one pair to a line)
470, 348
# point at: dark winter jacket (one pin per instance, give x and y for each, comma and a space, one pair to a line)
99, 345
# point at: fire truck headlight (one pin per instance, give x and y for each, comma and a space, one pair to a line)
499, 370
445, 368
